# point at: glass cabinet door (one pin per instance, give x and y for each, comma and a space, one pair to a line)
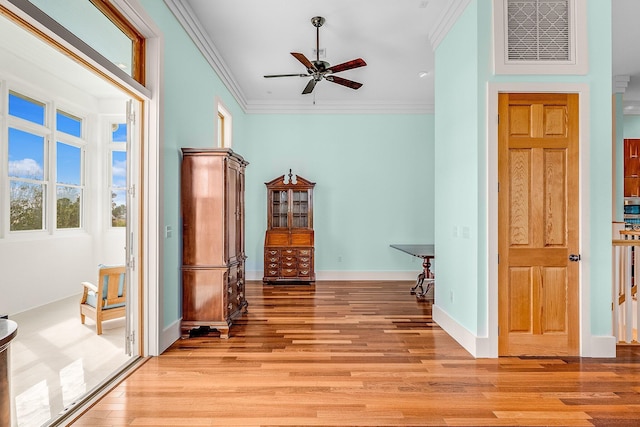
279, 209
300, 209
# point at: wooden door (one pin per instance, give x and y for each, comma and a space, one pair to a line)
538, 224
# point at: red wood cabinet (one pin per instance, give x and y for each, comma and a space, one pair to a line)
631, 168
213, 253
289, 239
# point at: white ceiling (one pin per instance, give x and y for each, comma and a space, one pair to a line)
253, 38
250, 38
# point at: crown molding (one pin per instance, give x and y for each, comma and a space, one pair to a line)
620, 83
337, 108
185, 15
187, 18
449, 17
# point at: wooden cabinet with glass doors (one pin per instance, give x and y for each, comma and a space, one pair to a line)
289, 240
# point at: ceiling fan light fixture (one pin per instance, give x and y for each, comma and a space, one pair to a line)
318, 69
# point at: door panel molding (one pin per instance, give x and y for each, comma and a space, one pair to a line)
587, 348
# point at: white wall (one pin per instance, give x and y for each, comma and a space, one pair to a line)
39, 268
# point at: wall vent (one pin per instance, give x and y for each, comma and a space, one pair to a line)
538, 30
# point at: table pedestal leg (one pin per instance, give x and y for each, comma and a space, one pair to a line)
418, 289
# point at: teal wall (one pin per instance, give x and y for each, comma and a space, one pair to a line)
374, 184
457, 152
374, 172
461, 144
631, 127
618, 213
188, 119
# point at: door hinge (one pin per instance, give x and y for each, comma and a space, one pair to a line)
132, 191
131, 264
132, 117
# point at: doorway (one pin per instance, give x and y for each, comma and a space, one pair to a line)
70, 366
538, 217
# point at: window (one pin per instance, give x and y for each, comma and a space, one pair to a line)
118, 168
104, 28
540, 37
69, 175
34, 164
224, 126
27, 154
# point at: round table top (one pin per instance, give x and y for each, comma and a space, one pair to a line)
8, 331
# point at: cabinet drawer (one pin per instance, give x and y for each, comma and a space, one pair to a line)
288, 252
273, 259
289, 272
304, 265
304, 252
271, 273
272, 266
291, 264
272, 252
288, 259
304, 272
303, 259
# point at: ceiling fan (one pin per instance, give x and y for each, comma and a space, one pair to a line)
319, 70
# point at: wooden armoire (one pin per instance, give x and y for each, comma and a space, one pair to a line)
289, 239
213, 257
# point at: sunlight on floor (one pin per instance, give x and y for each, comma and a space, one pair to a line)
55, 359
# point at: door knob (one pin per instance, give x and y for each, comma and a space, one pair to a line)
574, 257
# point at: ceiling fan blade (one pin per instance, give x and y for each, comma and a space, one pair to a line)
344, 82
347, 65
303, 59
286, 75
309, 87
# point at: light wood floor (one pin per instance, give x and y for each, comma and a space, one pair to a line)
361, 354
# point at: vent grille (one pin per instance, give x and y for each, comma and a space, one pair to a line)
538, 30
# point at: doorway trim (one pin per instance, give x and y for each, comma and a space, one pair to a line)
589, 346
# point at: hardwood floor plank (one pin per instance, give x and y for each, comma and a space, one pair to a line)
361, 354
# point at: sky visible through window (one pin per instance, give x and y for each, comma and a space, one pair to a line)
28, 152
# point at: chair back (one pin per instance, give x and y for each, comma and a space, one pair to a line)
114, 290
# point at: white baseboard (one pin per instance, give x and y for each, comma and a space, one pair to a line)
602, 346
458, 332
169, 335
350, 275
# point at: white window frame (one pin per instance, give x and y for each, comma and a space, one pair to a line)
578, 62
224, 126
111, 148
78, 142
51, 138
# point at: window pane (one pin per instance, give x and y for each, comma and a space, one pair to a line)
119, 133
88, 23
68, 164
26, 206
68, 207
26, 155
118, 208
68, 124
119, 169
26, 108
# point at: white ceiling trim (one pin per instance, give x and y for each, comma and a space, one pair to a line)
191, 25
450, 16
185, 15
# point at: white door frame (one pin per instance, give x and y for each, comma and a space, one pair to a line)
493, 89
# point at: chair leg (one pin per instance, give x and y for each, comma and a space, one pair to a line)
98, 324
